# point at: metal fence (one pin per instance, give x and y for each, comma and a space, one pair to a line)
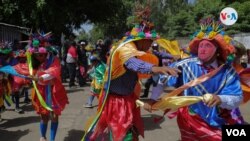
11, 32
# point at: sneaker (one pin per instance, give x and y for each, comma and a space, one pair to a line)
43, 139
88, 106
72, 85
27, 100
19, 110
2, 109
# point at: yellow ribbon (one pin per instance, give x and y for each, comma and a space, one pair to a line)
176, 102
171, 46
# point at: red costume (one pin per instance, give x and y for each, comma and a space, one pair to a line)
59, 96
18, 82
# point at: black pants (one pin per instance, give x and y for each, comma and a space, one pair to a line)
81, 79
16, 99
65, 72
148, 83
72, 73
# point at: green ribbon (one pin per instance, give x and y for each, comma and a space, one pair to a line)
7, 98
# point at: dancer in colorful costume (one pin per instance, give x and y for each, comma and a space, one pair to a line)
117, 110
19, 83
202, 120
244, 76
5, 89
45, 71
97, 75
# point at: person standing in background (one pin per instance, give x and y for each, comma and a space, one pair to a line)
71, 60
82, 62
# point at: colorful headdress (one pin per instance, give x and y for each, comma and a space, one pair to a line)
214, 31
20, 54
143, 29
37, 42
5, 47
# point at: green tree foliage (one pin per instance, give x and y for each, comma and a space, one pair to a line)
115, 26
172, 18
178, 18
243, 22
57, 16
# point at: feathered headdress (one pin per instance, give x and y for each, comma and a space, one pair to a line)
37, 42
214, 31
143, 27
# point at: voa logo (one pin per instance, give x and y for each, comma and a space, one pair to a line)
236, 132
228, 16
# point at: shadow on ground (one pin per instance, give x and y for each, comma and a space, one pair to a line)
18, 122
152, 121
72, 90
12, 135
74, 135
27, 108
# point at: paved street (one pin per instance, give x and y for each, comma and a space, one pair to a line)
25, 127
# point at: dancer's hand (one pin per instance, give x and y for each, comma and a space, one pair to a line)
176, 57
214, 101
35, 78
148, 105
166, 70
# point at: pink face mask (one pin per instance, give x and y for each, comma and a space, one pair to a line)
206, 50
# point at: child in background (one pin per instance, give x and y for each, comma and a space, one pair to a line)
97, 75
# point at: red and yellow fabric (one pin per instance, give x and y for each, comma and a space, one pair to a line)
5, 91
21, 68
1, 101
1, 94
121, 55
59, 96
243, 77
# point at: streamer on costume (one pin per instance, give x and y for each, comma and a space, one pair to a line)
41, 100
10, 70
103, 97
173, 101
7, 95
126, 49
116, 68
